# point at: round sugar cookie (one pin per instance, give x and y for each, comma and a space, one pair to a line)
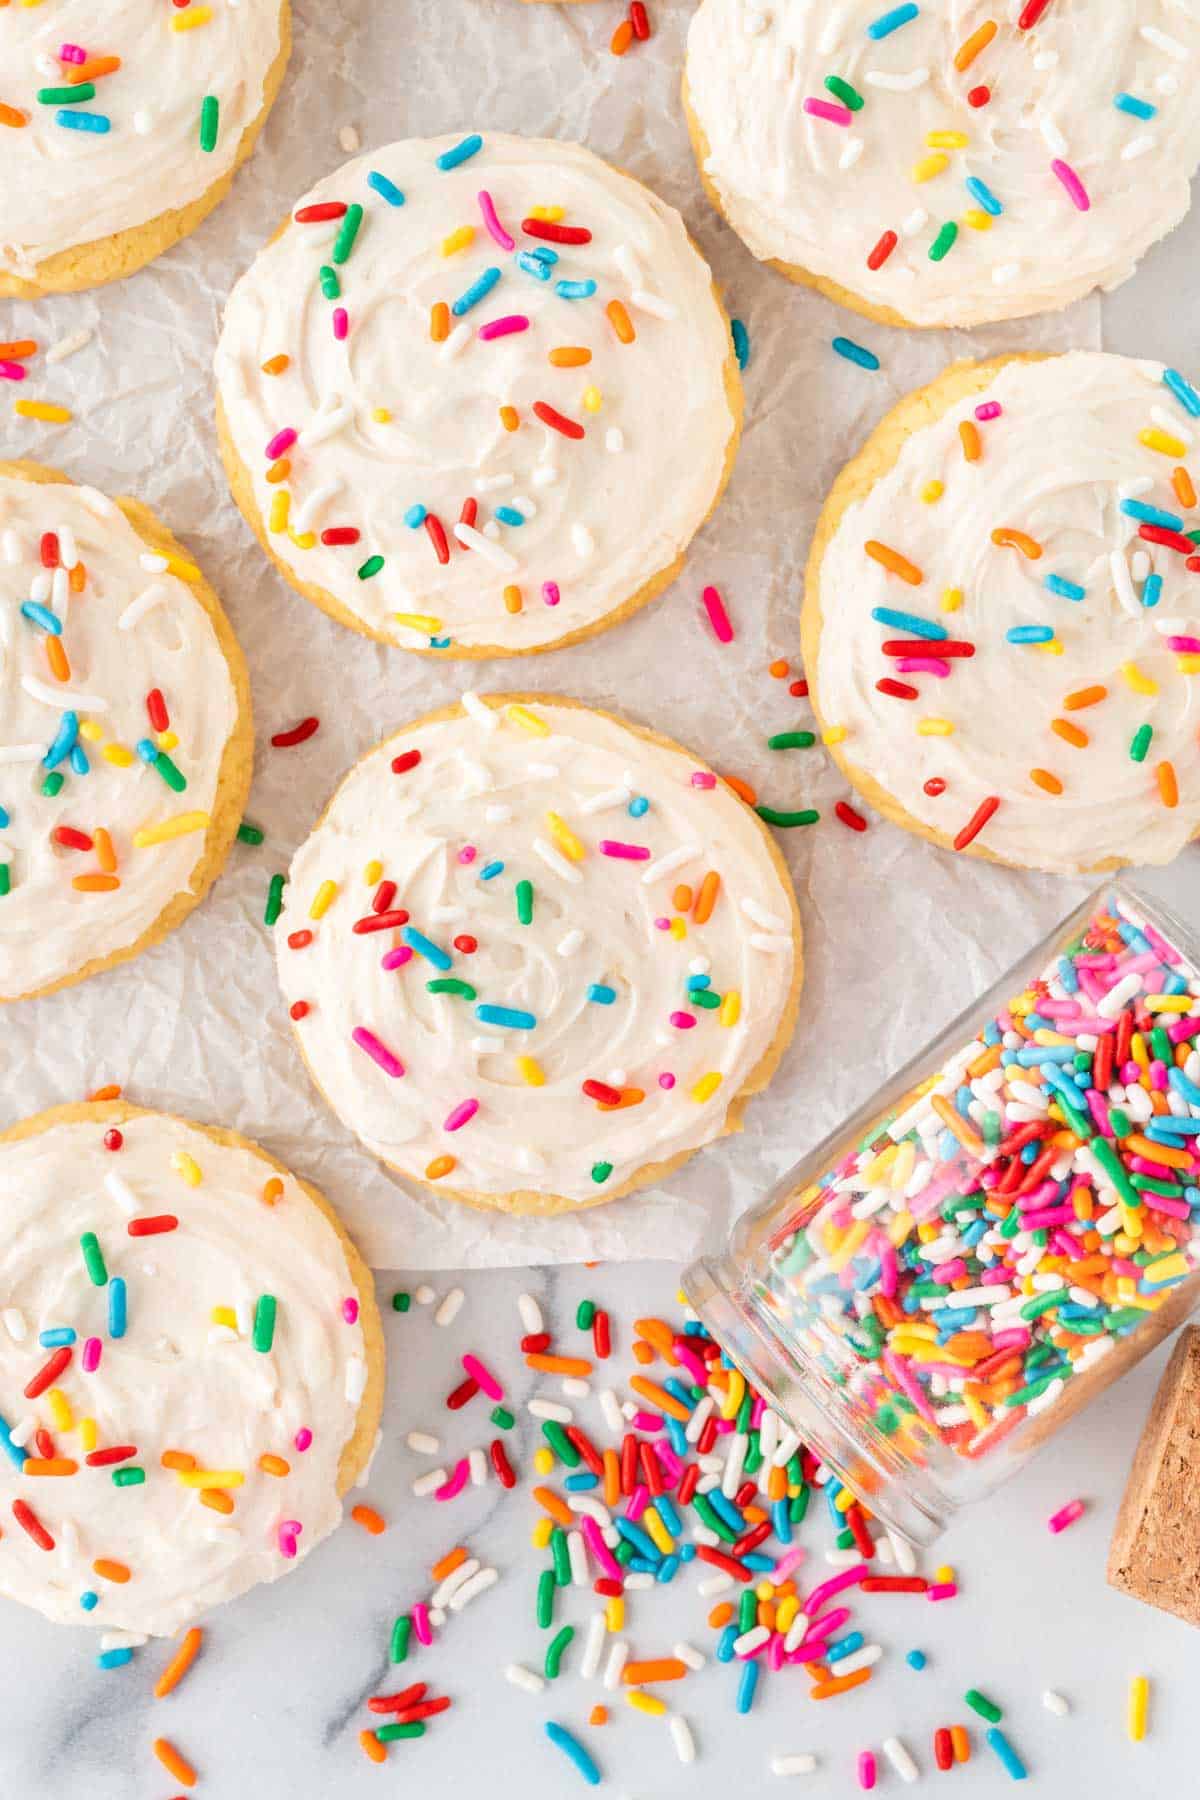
1001, 621
191, 1367
126, 738
537, 956
946, 164
477, 395
122, 124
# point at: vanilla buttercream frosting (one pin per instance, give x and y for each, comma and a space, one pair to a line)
95, 773
481, 391
202, 1309
582, 951
954, 162
1011, 614
89, 149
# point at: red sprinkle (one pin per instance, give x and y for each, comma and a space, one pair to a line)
322, 210
899, 690
341, 534
156, 706
299, 940
49, 550
976, 822
556, 421
153, 1225
639, 20
383, 896
893, 1584
978, 96
116, 1453
601, 1335
935, 786
437, 537
465, 943
943, 1748
1174, 540
535, 1343
43, 1443
470, 511
799, 689
29, 1522
924, 647
466, 1390
70, 839
113, 1139
386, 1703
381, 921
49, 1373
883, 249
505, 1473
1030, 13
296, 734
848, 816
556, 234
299, 1009
600, 1090
407, 759
719, 1560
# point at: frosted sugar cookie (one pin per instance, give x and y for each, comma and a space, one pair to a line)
1001, 620
537, 956
191, 1367
946, 164
122, 124
125, 732
477, 396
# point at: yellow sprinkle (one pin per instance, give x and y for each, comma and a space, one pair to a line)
731, 1008
372, 872
381, 414
281, 504
1052, 648
224, 1315
592, 399
87, 1435
935, 728
531, 1071
614, 1613
850, 1242
933, 490
677, 929
977, 219
303, 540
552, 213
424, 622
845, 1500
323, 899
1188, 663
876, 1170
833, 734
118, 755
177, 565
193, 16
167, 740
1141, 684
540, 1535
943, 1573
527, 720
1163, 442
60, 1409
733, 1394
706, 1087
512, 598
565, 838
91, 731
899, 1229
646, 1703
209, 1478
187, 1166
789, 1606
952, 599
947, 140
929, 166
41, 409
179, 826
659, 1535
543, 1460
1139, 1701
458, 240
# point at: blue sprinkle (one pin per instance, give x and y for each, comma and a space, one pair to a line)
903, 621
1129, 103
580, 1483
512, 1017
888, 22
1183, 391
508, 515
725, 1644
43, 617
533, 265
1068, 590
116, 1307
916, 1659
415, 516
4, 819
641, 1540
854, 1640
114, 1659
79, 762
726, 1510
439, 643
753, 1559
664, 1506
781, 1523
461, 153
601, 993
698, 981
490, 872
391, 193
147, 750
575, 290
1004, 1750
82, 121
89, 1601
477, 291
1152, 515
416, 940
1030, 634
741, 342
855, 353
545, 254
562, 1739
668, 1568
56, 1337
982, 193
687, 1552
638, 807
64, 739
14, 1451
749, 1677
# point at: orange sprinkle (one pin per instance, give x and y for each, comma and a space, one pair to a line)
180, 1663
272, 1191
1070, 733
892, 560
658, 1333
839, 1684
1087, 696
439, 322
961, 1742
177, 1767
370, 1745
217, 1498
274, 1465
1020, 540
56, 656
968, 433
446, 1565
570, 356
95, 884
662, 1668
177, 1459
970, 47
643, 1353
92, 69
720, 1615
742, 789
509, 418
1168, 786
512, 599
109, 1570
275, 365
280, 469
10, 116
663, 1402
49, 1465
441, 1165
369, 1519
620, 321
598, 1715
18, 349
112, 1092
706, 899
549, 1502
561, 1365
1045, 780
778, 668
612, 1477
681, 899
106, 856
1185, 487
621, 38
970, 1140
77, 579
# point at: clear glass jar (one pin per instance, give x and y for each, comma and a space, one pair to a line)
1010, 1224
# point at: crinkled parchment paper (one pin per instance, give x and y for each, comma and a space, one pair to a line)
899, 935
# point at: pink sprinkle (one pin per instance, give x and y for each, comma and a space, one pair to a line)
341, 323
283, 440
72, 53
599, 1549
1072, 183
637, 1503
662, 924
486, 1380
464, 1111
350, 1310
467, 854
550, 593
12, 371
624, 852
941, 1590
790, 1560
683, 1021
379, 1053
421, 1624
826, 109
989, 409
91, 1355
1066, 1515
666, 1080
494, 226
924, 665
834, 1585
302, 1439
505, 327
396, 959
647, 1421
455, 1485
287, 1537
703, 778
866, 1758
714, 606
1188, 645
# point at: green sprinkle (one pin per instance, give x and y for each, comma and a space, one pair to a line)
274, 899
1141, 742
68, 96
560, 1443
210, 121
53, 784
401, 1301
987, 1709
799, 1506
624, 1552
93, 1259
705, 999
449, 984
554, 1652
248, 833
1024, 1395
943, 241
713, 1519
391, 1734
845, 93
585, 1312
401, 1632
769, 816
792, 740
173, 777
545, 1598
501, 1416
1114, 1168
348, 233
5, 880
561, 1555
525, 902
128, 1477
331, 287
844, 1540
264, 1322
371, 567
754, 1456
601, 1172
747, 1610
1041, 1303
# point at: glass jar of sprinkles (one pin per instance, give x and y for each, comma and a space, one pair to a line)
1010, 1224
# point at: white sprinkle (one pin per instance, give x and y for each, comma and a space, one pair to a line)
62, 698
495, 554
568, 945
627, 262
681, 1737
593, 1647
715, 1584
582, 542
122, 1640
423, 1442
550, 1409
768, 920
356, 1379
478, 1466
470, 1590
525, 1678
611, 1410
531, 1315
425, 1484
851, 152
309, 510
1003, 273
800, 1763
654, 304
143, 122
1055, 141
482, 715
617, 1658
1168, 45
120, 1191
610, 797
153, 563
137, 609
437, 1617
545, 475
326, 425
23, 1430
572, 1388
750, 1640
349, 139
577, 1556
1056, 1704
15, 1324
897, 1753
916, 221
443, 1594
614, 439
771, 942
554, 859
897, 84
449, 1310
424, 1295
691, 1658
1138, 146
11, 545
78, 340
674, 859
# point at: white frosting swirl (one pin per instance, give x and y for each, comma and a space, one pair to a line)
132, 628
819, 192
394, 425
1066, 462
176, 1380
64, 187
598, 978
